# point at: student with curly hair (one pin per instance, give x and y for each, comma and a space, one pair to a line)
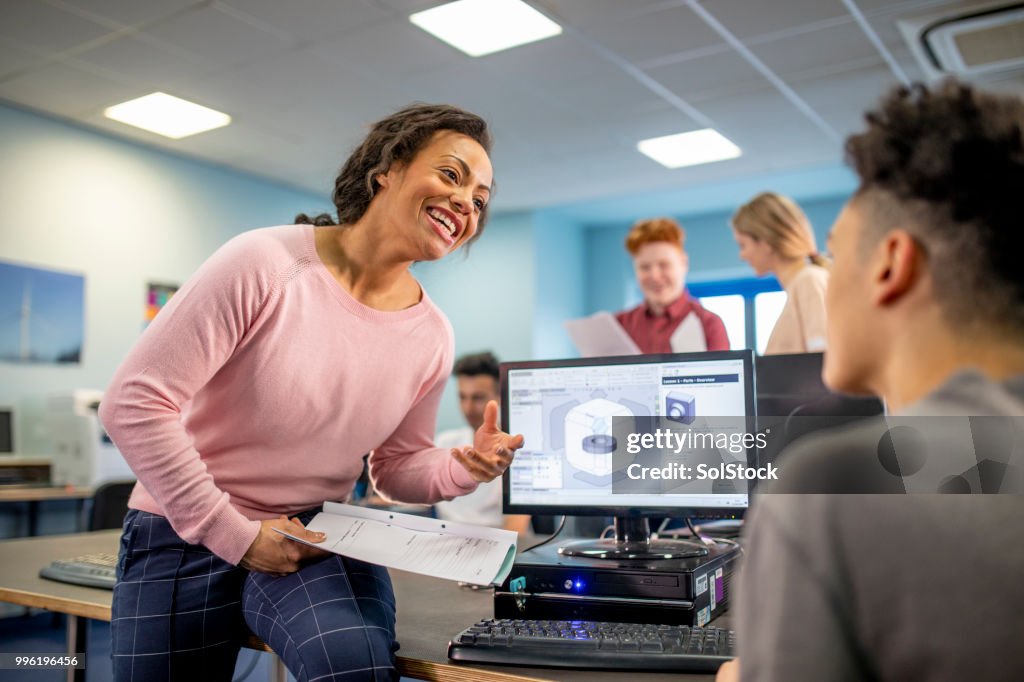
254, 395
669, 319
926, 309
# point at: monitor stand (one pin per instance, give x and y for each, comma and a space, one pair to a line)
633, 541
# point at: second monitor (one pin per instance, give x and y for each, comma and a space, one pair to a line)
571, 460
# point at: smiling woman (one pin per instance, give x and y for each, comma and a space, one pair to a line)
254, 396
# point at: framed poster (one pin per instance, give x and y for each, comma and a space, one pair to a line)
42, 315
157, 296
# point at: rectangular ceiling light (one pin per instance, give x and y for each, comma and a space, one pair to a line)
689, 149
479, 27
167, 115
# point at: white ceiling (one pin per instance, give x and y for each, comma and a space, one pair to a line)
786, 80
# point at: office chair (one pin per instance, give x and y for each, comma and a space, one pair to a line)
110, 504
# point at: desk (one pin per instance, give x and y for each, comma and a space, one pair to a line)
430, 611
36, 494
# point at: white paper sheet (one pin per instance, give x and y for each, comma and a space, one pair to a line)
689, 336
442, 549
600, 335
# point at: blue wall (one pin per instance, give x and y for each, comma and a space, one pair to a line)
713, 253
560, 291
488, 295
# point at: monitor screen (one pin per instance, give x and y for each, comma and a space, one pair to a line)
793, 401
565, 410
6, 429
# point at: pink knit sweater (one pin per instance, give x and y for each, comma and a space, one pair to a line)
261, 385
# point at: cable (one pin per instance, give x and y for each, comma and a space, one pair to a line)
693, 531
714, 539
561, 524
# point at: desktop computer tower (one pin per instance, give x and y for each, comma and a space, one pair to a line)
83, 454
545, 585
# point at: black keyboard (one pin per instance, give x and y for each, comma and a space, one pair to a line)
91, 570
590, 644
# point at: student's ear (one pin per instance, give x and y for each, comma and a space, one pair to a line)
898, 267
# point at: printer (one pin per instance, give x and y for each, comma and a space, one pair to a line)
83, 454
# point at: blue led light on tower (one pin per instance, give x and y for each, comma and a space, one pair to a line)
680, 407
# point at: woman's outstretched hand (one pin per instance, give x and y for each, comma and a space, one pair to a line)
492, 449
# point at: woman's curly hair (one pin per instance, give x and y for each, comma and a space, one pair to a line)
395, 139
948, 163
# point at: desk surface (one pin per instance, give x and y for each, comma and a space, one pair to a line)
40, 493
430, 611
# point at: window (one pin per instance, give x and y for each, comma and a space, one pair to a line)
748, 307
732, 308
767, 308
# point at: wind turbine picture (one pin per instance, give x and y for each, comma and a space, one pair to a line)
41, 315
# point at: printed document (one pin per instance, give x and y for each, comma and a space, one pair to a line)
600, 335
442, 549
689, 336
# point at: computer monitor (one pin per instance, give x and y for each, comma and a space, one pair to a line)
565, 410
7, 440
792, 401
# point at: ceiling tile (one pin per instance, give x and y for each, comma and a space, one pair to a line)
709, 77
907, 62
467, 85
843, 101
615, 173
746, 19
407, 7
663, 120
15, 59
142, 60
663, 32
419, 51
1007, 83
44, 27
124, 12
558, 135
822, 48
886, 27
309, 19
216, 38
325, 100
763, 122
547, 66
914, 6
612, 94
65, 90
581, 13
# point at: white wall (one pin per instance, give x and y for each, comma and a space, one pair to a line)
123, 215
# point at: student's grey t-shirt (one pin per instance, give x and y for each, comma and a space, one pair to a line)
885, 587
